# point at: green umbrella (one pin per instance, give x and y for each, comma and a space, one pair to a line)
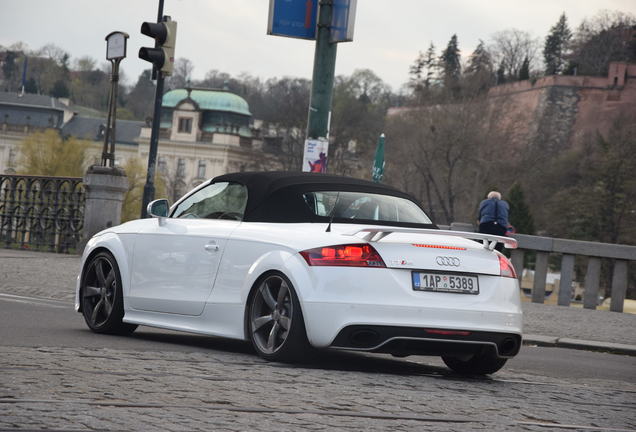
378, 164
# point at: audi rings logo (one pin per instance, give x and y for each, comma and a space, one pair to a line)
447, 261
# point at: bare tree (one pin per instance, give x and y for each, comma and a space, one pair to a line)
285, 118
215, 79
359, 108
85, 64
446, 157
287, 144
182, 74
510, 48
55, 53
606, 37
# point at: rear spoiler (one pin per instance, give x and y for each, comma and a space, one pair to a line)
489, 241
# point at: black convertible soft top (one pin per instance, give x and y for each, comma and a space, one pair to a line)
277, 196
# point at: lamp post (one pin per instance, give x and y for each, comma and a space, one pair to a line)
106, 184
115, 53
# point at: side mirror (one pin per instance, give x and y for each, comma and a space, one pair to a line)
158, 209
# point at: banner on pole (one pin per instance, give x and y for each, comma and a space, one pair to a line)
315, 155
378, 164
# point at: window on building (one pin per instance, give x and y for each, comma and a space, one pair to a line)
162, 165
201, 169
181, 167
12, 158
185, 125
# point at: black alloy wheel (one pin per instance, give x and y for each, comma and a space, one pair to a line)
276, 325
483, 362
101, 296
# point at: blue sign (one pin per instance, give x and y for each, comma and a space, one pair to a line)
342, 20
293, 18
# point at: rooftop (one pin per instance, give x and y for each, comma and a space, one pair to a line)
127, 131
31, 100
208, 100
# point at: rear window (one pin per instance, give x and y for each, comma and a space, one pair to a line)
365, 207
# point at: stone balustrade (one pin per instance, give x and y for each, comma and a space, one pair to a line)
569, 249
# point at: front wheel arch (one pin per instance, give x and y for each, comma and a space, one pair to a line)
106, 291
88, 259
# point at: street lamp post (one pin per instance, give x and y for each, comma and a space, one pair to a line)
105, 184
115, 53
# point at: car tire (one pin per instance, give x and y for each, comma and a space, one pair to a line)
483, 362
101, 296
275, 321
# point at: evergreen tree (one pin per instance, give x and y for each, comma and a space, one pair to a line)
524, 72
501, 74
422, 73
479, 71
141, 96
60, 89
31, 86
520, 216
416, 71
431, 65
480, 61
556, 47
9, 69
451, 65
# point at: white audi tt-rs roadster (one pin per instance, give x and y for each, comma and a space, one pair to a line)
295, 261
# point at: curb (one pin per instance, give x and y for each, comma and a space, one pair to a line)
552, 341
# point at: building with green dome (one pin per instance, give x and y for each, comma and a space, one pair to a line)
205, 133
210, 110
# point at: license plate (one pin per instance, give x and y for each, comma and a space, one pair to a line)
445, 282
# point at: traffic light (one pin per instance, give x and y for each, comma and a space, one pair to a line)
165, 35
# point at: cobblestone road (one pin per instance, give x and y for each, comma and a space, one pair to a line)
227, 389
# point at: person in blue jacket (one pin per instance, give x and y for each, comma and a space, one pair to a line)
493, 216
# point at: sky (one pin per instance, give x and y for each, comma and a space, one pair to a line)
230, 35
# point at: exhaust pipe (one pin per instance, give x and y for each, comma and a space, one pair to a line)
508, 347
364, 338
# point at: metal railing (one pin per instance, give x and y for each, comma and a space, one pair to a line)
621, 255
41, 213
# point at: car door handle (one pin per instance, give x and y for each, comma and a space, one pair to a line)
211, 247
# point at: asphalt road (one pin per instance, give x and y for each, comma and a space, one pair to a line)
56, 374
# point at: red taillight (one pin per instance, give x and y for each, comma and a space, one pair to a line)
505, 267
420, 245
352, 255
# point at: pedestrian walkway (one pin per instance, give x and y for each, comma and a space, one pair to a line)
49, 275
571, 327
